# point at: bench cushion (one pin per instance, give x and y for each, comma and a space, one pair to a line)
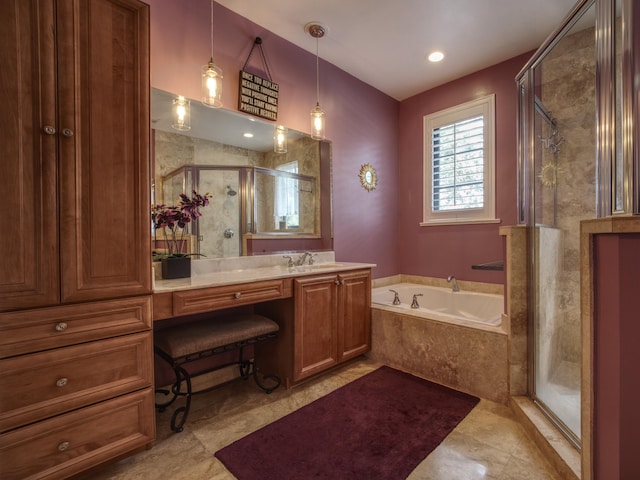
203, 335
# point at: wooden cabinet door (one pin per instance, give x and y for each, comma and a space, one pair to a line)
354, 314
28, 195
103, 92
315, 330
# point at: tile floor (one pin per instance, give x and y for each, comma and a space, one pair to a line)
487, 444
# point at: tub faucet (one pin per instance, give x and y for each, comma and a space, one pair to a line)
454, 285
414, 303
396, 298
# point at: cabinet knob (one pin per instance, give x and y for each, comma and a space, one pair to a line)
61, 327
49, 130
337, 282
63, 446
62, 382
237, 295
67, 132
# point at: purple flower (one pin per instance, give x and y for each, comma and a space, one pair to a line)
172, 218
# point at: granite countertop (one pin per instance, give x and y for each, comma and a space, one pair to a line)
215, 273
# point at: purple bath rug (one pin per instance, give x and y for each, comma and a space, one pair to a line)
380, 426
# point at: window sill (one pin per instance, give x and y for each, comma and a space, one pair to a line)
459, 221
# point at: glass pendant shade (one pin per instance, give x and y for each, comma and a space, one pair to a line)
211, 85
280, 140
317, 123
181, 114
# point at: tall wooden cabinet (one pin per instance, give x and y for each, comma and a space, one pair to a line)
75, 274
332, 321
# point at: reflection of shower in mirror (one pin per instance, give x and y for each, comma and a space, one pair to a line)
230, 191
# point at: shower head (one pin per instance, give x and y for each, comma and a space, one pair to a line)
230, 191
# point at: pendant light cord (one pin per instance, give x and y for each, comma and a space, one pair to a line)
317, 74
212, 2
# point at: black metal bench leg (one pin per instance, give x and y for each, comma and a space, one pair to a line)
181, 412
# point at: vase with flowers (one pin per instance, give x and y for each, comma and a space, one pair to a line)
174, 219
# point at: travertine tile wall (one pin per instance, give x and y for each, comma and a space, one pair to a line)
567, 90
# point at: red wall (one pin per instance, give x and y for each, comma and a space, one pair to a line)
439, 251
362, 122
617, 356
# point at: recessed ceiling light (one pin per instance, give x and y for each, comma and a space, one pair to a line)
248, 135
435, 56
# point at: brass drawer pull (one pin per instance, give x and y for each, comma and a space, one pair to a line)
63, 446
237, 295
49, 130
61, 327
62, 382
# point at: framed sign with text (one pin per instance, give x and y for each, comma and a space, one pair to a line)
258, 96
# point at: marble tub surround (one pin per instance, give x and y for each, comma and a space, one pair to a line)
465, 358
516, 306
488, 443
229, 271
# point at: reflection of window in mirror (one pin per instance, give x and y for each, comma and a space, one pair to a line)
286, 206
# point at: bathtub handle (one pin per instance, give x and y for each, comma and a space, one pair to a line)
396, 298
414, 303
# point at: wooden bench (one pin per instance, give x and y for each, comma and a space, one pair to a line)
182, 344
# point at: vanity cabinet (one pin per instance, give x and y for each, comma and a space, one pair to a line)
332, 321
75, 296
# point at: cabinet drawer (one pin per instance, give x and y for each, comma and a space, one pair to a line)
41, 329
48, 383
186, 302
68, 444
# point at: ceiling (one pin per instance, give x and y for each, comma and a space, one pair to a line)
385, 43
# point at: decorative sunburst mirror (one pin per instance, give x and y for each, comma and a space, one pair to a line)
549, 174
368, 177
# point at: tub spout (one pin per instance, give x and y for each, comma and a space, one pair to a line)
396, 298
454, 285
414, 303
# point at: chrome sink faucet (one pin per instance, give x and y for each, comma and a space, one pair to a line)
454, 285
300, 261
290, 263
302, 258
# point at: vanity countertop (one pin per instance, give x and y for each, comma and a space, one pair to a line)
203, 277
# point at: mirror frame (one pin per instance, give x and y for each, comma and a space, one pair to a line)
368, 177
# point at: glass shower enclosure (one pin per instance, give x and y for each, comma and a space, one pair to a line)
557, 191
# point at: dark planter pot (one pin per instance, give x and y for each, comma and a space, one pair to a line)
176, 267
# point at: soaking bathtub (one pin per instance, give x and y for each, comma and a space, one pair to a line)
455, 338
442, 304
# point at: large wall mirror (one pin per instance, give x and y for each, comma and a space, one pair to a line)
260, 201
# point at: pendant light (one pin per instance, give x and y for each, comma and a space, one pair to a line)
181, 114
280, 139
318, 119
211, 78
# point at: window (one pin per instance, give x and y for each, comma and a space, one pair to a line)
459, 164
287, 198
